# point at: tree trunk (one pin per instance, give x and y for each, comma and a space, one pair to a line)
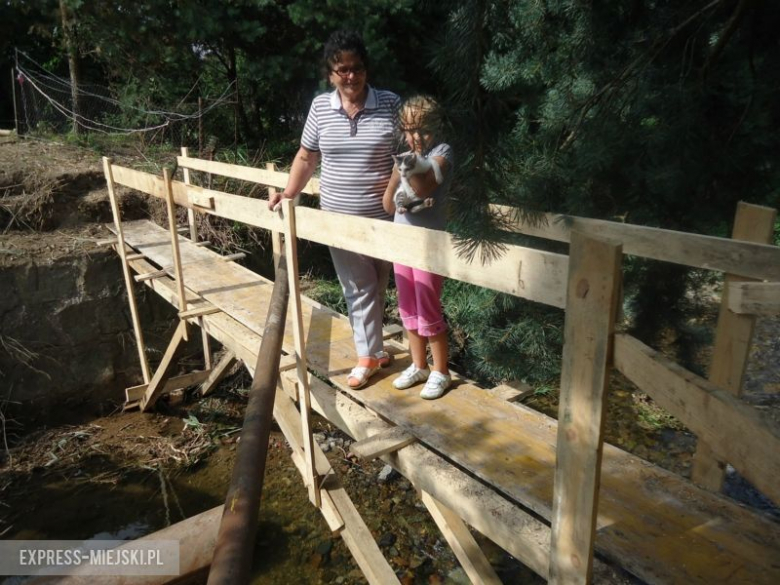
73, 62
239, 105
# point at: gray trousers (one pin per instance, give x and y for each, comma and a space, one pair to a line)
364, 282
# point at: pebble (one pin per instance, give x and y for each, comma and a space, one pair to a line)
387, 474
458, 577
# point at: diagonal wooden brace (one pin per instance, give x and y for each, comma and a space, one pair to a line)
156, 384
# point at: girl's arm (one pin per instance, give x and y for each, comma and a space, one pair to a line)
388, 199
424, 184
303, 167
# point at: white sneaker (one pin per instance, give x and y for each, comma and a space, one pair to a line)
435, 386
411, 376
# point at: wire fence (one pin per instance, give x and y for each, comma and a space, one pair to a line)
47, 104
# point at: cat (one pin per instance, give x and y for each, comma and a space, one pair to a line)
410, 164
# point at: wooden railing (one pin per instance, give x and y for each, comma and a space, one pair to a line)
586, 285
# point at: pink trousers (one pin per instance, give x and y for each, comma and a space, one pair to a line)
419, 300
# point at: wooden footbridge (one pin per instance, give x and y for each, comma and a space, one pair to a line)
550, 493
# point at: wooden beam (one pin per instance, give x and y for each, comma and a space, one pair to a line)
134, 393
756, 260
591, 306
204, 243
232, 257
291, 252
731, 427
175, 242
154, 390
199, 199
199, 311
462, 543
524, 272
108, 170
252, 174
512, 391
355, 533
754, 298
218, 372
383, 443
733, 336
392, 330
276, 237
108, 242
190, 212
150, 275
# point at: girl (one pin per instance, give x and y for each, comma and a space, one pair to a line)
419, 292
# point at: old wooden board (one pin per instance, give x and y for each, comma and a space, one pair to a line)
241, 293
652, 522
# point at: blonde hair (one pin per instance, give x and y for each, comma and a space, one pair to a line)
423, 114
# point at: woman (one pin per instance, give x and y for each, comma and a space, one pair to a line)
352, 132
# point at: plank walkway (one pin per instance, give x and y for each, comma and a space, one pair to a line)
653, 523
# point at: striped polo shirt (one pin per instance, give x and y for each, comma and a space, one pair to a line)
355, 154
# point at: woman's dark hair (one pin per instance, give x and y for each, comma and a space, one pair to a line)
343, 41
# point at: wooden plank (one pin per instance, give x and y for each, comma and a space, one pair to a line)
233, 257
199, 312
252, 174
175, 243
512, 391
392, 330
462, 543
730, 426
591, 306
356, 534
276, 237
733, 336
150, 275
755, 260
199, 199
135, 393
139, 337
754, 298
304, 398
218, 372
524, 272
381, 444
163, 372
190, 212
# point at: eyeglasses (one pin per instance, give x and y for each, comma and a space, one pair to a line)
344, 72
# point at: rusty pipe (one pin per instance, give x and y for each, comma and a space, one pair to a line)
232, 560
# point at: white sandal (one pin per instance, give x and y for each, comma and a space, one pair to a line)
361, 374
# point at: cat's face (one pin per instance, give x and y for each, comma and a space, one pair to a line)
405, 162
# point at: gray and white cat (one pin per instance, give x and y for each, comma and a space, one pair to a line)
410, 164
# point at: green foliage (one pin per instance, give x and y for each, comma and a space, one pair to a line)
499, 337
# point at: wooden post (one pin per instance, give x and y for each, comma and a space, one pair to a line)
200, 127
276, 237
591, 306
190, 211
164, 370
291, 252
120, 247
13, 93
194, 238
175, 243
733, 336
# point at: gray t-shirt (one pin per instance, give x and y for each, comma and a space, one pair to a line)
434, 217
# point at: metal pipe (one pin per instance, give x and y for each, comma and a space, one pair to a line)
233, 553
